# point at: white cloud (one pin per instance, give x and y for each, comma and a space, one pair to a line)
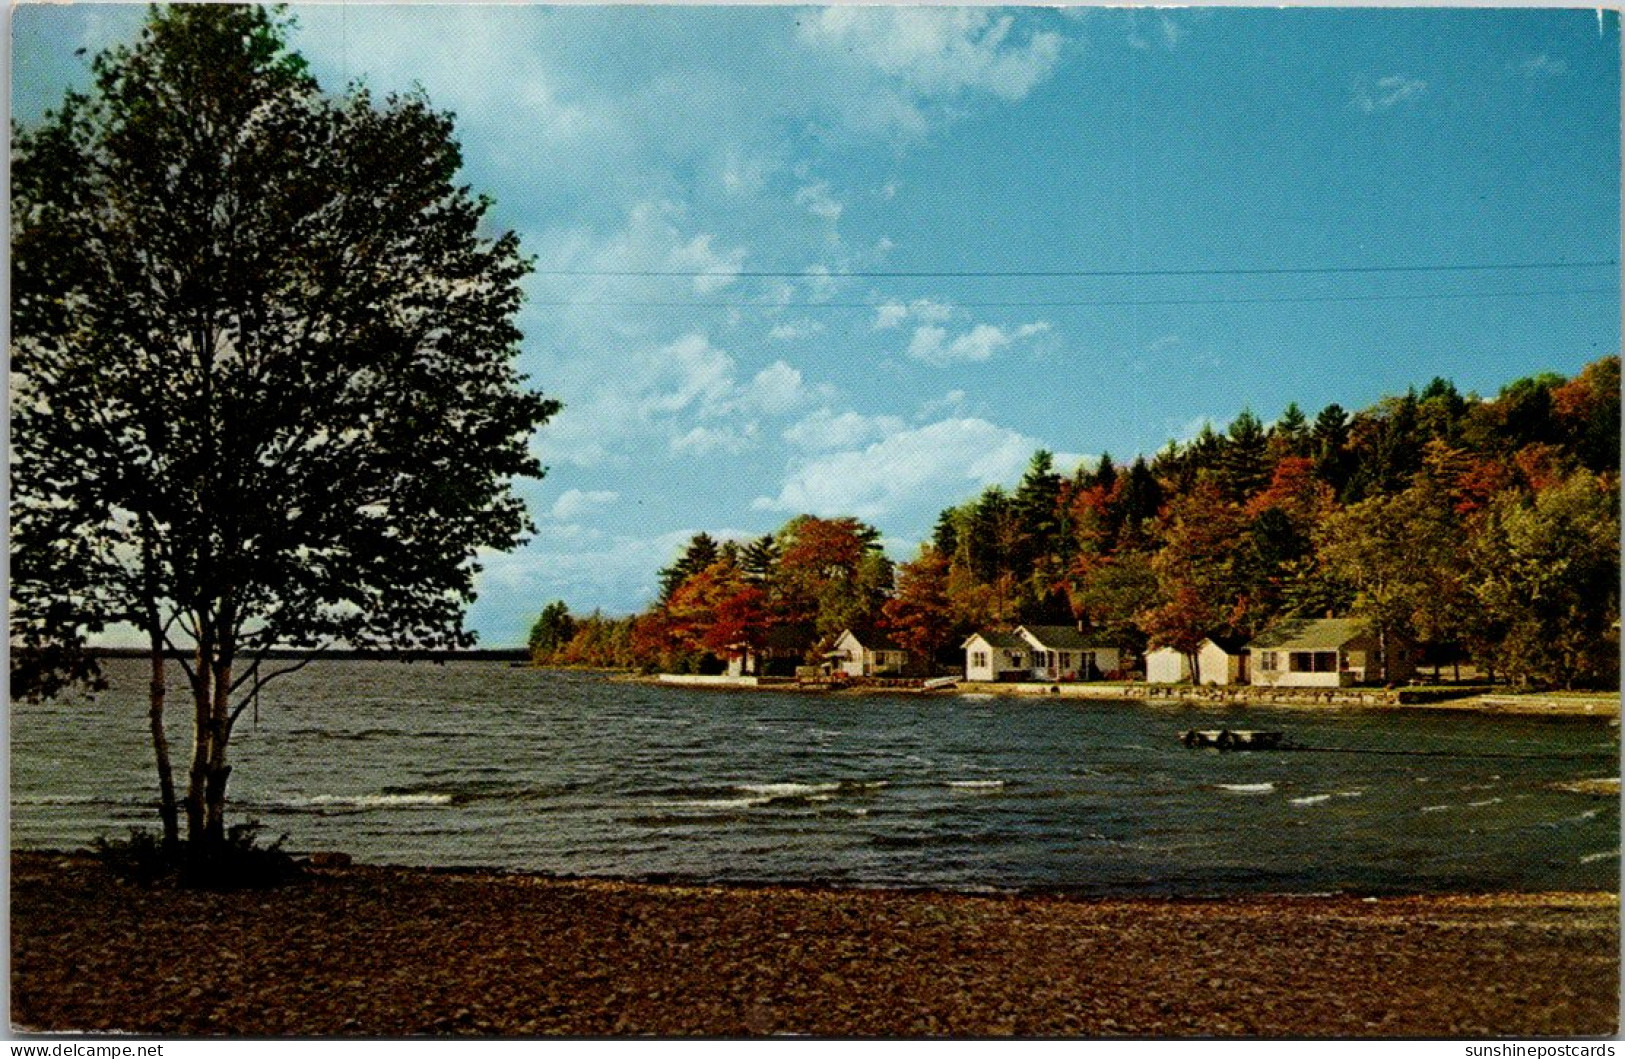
893, 313
906, 468
825, 430
1387, 93
952, 403
677, 393
1543, 67
937, 51
819, 202
932, 344
705, 441
776, 389
574, 502
487, 64
795, 330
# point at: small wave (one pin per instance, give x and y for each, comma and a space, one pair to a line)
1351, 794
716, 805
1486, 801
62, 799
976, 696
1590, 858
1246, 788
368, 801
1311, 799
788, 790
1435, 808
976, 785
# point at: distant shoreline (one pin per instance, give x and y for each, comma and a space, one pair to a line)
375, 951
1552, 704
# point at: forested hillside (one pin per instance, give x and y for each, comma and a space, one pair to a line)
1482, 530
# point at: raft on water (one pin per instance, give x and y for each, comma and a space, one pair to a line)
1232, 738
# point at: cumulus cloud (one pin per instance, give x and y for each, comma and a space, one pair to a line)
1387, 93
575, 502
818, 201
933, 51
705, 441
924, 310
932, 344
794, 330
825, 430
680, 392
905, 468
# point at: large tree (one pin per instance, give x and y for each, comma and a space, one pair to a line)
263, 391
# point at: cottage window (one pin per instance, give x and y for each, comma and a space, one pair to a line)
1015, 659
1066, 659
978, 659
1266, 661
1312, 661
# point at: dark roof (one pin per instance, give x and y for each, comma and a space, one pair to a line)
872, 641
1230, 645
1060, 638
1310, 634
1006, 640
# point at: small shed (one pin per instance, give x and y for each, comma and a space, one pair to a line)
1166, 665
1325, 653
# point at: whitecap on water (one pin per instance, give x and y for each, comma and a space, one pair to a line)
1246, 788
369, 801
1592, 857
1311, 799
976, 785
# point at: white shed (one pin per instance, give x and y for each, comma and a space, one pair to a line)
1165, 665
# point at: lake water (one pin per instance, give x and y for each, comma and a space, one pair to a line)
482, 764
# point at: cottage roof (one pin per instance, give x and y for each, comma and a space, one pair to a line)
1230, 645
1005, 640
1310, 634
870, 640
1059, 638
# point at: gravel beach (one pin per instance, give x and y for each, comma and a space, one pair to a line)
369, 951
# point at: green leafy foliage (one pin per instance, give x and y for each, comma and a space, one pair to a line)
262, 370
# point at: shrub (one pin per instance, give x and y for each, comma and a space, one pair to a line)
238, 863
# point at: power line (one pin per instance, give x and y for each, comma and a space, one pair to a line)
1308, 270
1091, 303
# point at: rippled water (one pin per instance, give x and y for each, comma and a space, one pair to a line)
483, 764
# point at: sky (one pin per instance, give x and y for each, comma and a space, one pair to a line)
900, 249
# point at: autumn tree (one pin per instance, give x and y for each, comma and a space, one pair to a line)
919, 615
263, 392
831, 573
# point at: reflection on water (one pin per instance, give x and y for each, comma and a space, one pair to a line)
483, 764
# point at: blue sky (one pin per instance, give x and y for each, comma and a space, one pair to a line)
813, 144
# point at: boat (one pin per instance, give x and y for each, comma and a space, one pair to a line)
1232, 739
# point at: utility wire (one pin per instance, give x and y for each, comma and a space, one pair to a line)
1318, 270
1101, 302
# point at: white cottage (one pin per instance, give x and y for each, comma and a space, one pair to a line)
869, 655
1325, 653
996, 656
1061, 652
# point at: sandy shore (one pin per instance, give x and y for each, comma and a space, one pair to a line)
382, 951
